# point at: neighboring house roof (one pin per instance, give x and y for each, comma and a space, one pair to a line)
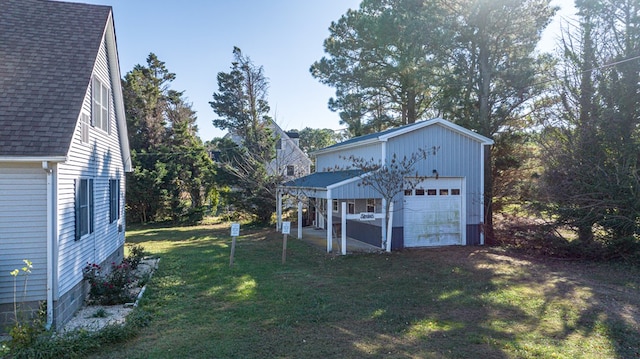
292, 134
393, 132
47, 53
323, 180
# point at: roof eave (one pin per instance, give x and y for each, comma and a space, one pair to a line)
33, 158
116, 85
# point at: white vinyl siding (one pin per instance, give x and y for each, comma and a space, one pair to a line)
101, 161
23, 223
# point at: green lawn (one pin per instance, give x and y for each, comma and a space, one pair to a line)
463, 302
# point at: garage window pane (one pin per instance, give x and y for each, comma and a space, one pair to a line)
420, 192
408, 192
444, 192
431, 192
455, 192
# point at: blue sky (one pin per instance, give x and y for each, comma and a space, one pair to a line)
195, 39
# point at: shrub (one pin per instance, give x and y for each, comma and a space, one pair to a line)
111, 288
136, 255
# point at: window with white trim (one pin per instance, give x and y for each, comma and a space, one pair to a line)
84, 207
84, 128
371, 205
351, 206
291, 170
100, 105
114, 200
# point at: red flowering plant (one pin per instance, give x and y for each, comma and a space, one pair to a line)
111, 287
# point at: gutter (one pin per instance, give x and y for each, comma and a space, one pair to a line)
50, 238
42, 159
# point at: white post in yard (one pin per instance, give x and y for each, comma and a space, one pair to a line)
299, 219
278, 209
329, 210
343, 228
390, 227
383, 228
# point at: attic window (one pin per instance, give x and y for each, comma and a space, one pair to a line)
84, 128
100, 105
291, 170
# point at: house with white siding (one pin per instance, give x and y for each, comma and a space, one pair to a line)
445, 208
290, 161
64, 151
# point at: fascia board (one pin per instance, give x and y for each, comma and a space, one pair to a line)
33, 158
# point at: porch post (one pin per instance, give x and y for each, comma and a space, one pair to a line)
343, 230
299, 219
384, 224
390, 228
329, 210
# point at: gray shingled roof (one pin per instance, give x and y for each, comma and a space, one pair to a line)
47, 53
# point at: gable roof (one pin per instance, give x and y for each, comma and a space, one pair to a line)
397, 131
47, 54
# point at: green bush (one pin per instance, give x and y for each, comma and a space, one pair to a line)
136, 255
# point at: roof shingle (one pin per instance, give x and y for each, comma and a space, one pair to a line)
47, 53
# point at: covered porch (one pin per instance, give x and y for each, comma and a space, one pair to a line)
317, 237
336, 206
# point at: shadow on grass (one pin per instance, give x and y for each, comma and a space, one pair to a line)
442, 303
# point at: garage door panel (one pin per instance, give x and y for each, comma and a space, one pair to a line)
434, 220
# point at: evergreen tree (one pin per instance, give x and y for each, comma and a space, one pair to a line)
168, 158
144, 92
380, 60
493, 73
242, 106
592, 175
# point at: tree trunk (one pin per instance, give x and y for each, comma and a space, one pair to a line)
484, 118
489, 235
585, 233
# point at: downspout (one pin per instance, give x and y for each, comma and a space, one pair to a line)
50, 223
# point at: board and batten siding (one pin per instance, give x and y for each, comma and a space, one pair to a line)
329, 161
458, 155
23, 219
101, 160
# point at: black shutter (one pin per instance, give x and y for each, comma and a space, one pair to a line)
90, 206
76, 186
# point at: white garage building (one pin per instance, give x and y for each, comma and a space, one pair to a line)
445, 208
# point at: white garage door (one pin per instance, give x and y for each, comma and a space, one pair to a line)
433, 213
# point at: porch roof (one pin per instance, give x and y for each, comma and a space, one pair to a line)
323, 180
